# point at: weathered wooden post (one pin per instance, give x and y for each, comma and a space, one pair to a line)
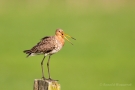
40, 84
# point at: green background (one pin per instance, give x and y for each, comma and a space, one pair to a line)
102, 57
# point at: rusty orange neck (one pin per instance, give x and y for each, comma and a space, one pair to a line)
60, 39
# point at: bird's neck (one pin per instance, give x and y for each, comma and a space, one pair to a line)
60, 39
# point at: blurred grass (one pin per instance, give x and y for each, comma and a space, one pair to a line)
103, 52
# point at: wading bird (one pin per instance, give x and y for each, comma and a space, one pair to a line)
49, 45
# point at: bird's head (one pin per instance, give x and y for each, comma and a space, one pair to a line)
60, 32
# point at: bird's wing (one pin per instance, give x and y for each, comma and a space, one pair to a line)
44, 46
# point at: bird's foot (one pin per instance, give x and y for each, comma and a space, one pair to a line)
49, 79
43, 78
52, 79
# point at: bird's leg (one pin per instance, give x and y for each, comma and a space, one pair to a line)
48, 67
42, 68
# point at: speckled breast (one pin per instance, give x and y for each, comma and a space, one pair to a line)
58, 47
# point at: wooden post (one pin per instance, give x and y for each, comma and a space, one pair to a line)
40, 84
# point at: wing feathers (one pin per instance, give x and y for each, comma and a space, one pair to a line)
47, 44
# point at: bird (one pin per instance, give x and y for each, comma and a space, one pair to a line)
48, 46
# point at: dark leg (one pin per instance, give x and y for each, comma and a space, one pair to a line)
48, 66
42, 68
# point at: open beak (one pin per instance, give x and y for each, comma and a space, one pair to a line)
68, 39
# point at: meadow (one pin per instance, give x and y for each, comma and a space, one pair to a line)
102, 57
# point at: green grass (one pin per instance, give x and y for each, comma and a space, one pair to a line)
102, 54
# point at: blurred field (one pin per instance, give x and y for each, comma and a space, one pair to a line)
102, 55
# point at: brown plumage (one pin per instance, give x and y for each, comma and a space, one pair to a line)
48, 46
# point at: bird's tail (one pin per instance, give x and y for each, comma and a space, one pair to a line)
27, 52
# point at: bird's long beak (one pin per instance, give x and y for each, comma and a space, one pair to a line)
67, 38
70, 36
